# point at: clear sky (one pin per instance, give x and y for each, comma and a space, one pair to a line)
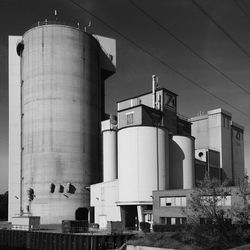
185, 48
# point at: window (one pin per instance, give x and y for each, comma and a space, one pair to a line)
162, 202
221, 201
226, 122
224, 201
173, 220
130, 118
168, 220
238, 136
178, 201
178, 220
202, 221
162, 220
173, 201
183, 201
228, 201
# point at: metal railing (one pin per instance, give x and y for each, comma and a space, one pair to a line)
51, 22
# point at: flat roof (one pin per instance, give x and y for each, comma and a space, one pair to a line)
219, 110
159, 89
210, 112
236, 125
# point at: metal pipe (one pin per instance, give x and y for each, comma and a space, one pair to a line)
21, 137
157, 159
153, 90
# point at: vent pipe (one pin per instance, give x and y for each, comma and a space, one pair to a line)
154, 85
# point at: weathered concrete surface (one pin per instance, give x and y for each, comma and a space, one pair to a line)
62, 107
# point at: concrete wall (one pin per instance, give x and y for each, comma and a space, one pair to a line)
213, 131
238, 153
143, 162
63, 72
181, 172
134, 101
103, 197
139, 115
108, 46
135, 115
14, 128
200, 131
220, 139
61, 119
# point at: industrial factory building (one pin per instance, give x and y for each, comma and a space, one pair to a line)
151, 139
216, 131
68, 160
160, 151
56, 105
172, 206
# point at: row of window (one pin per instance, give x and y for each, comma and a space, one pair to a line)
221, 201
209, 221
173, 220
180, 201
183, 220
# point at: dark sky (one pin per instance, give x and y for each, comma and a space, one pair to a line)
224, 43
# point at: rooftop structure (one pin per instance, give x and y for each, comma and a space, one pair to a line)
216, 131
155, 151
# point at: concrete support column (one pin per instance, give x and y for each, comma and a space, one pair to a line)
140, 214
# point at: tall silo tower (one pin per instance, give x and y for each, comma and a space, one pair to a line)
62, 104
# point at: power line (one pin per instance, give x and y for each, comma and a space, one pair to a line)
187, 46
237, 3
221, 28
159, 60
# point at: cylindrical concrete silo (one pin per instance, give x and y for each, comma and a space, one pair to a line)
109, 138
61, 115
181, 169
143, 162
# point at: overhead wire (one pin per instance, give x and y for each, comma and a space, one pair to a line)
241, 48
237, 3
157, 58
187, 46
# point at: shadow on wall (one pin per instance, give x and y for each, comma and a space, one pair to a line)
176, 166
4, 206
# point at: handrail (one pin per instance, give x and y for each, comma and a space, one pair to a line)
49, 22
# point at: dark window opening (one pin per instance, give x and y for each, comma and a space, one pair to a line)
81, 213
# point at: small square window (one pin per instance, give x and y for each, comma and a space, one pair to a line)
130, 118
